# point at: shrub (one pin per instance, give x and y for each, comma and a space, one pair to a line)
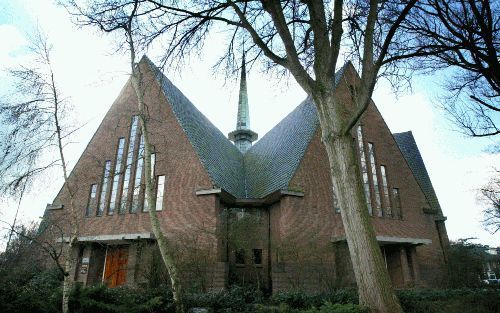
327, 307
339, 308
38, 292
450, 301
236, 299
301, 300
123, 299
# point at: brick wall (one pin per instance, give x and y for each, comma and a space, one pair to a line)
312, 217
184, 214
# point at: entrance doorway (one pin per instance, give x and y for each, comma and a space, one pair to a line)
115, 267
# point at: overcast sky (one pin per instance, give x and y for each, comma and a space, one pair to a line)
91, 74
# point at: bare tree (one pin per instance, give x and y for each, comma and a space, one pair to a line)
489, 194
114, 19
462, 36
305, 39
32, 115
31, 239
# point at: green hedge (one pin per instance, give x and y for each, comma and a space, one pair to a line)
485, 300
325, 308
40, 292
300, 300
120, 300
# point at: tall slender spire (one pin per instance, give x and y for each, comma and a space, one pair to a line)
243, 120
243, 136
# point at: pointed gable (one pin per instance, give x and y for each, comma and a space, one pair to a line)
220, 158
268, 166
272, 161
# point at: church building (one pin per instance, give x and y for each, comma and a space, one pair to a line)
242, 210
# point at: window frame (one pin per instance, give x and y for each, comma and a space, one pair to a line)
92, 201
104, 189
164, 180
115, 196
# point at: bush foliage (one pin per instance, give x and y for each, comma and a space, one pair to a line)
34, 290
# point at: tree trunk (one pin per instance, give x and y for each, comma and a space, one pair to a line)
73, 238
374, 285
163, 245
68, 279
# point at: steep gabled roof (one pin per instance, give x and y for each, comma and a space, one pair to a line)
272, 161
220, 158
266, 167
410, 151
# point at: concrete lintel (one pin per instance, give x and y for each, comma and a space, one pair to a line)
440, 218
251, 202
382, 240
110, 238
286, 192
403, 240
51, 206
204, 192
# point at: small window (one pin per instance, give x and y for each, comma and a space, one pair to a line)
396, 197
159, 192
385, 188
92, 200
239, 257
257, 256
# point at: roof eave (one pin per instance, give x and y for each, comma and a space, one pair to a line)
267, 200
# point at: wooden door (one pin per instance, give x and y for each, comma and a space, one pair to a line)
115, 268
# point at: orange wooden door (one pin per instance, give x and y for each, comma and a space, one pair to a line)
115, 269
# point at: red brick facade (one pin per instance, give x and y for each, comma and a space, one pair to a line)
299, 234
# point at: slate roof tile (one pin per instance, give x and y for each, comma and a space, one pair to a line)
270, 164
272, 161
220, 158
410, 151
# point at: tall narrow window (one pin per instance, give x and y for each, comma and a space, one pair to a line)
385, 188
117, 174
153, 161
373, 167
138, 177
159, 192
130, 159
92, 200
397, 203
364, 170
104, 189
